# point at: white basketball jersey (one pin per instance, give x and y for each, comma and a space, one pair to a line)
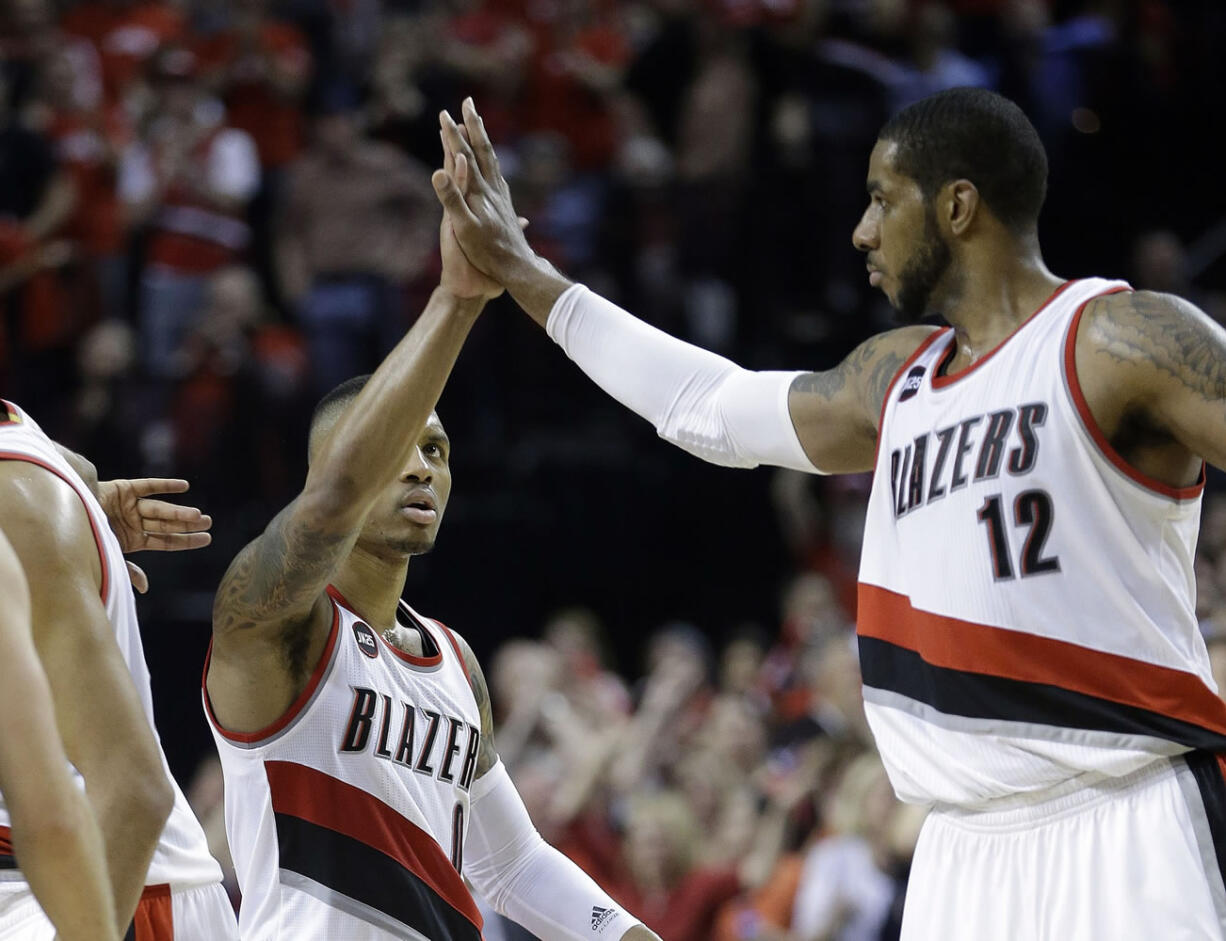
182, 856
1026, 600
347, 816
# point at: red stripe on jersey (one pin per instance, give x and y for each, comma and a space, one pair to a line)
407, 657
6, 841
252, 738
105, 587
919, 351
1015, 655
325, 801
940, 382
1091, 425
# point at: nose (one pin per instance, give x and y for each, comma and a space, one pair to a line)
864, 235
418, 469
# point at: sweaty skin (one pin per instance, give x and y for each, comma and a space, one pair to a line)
1152, 366
55, 834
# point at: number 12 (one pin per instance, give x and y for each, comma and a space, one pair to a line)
1032, 508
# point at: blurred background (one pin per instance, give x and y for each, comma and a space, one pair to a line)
211, 213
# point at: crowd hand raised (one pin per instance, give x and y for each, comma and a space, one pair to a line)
140, 522
482, 216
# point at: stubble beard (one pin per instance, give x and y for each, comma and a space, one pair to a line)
923, 272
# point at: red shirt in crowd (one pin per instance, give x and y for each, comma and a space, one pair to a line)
125, 35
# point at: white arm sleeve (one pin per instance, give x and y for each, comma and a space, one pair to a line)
699, 401
525, 878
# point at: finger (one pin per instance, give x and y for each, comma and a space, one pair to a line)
176, 542
161, 510
451, 197
461, 173
448, 154
155, 525
487, 160
138, 578
143, 486
523, 223
456, 141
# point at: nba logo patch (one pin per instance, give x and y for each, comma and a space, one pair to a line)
911, 384
366, 639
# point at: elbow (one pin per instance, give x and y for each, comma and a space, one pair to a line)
145, 800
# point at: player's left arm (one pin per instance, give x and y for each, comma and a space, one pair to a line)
517, 872
1153, 370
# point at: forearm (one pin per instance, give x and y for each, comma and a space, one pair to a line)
61, 857
131, 820
382, 426
698, 400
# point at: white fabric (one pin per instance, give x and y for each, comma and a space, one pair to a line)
182, 855
416, 759
1123, 586
841, 888
234, 165
526, 879
201, 913
699, 401
1120, 859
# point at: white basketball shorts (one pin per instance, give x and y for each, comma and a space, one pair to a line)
1138, 858
196, 913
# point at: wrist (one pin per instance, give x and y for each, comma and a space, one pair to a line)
466, 307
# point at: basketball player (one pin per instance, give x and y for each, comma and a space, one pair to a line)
362, 784
52, 825
1032, 666
164, 883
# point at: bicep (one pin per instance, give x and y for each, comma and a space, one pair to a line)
97, 710
279, 577
836, 412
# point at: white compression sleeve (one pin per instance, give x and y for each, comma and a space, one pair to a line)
525, 878
701, 402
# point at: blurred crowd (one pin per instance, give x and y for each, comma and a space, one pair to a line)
211, 213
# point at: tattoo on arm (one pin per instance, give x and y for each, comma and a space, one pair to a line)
1165, 332
488, 756
279, 574
869, 368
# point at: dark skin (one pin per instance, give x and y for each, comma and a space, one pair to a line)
1152, 366
354, 525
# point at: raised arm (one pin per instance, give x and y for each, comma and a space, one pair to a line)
514, 869
708, 405
55, 835
1152, 370
98, 714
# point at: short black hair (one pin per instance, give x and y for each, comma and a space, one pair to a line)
332, 404
977, 135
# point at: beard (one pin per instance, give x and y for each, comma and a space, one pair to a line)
923, 272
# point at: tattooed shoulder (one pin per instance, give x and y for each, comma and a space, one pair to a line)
1162, 334
488, 755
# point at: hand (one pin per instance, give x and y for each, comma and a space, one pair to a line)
141, 523
460, 278
482, 217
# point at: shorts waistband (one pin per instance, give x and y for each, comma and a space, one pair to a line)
1064, 799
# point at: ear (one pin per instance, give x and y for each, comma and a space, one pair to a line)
960, 202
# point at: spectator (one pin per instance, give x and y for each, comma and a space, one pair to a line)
126, 34
359, 224
188, 179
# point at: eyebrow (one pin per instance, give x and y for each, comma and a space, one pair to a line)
874, 186
438, 437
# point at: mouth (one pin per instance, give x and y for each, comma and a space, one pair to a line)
874, 276
420, 507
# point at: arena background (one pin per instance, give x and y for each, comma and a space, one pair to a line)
701, 162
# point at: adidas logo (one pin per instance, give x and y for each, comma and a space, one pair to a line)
601, 916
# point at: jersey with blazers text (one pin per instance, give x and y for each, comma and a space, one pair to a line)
182, 858
347, 816
1026, 600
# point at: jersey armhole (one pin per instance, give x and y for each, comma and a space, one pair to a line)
1073, 384
889, 390
450, 635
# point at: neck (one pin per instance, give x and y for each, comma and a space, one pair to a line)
373, 584
994, 298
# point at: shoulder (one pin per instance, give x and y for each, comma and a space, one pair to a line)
45, 519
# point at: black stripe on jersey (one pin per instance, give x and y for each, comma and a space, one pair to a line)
1208, 774
981, 696
8, 861
352, 868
